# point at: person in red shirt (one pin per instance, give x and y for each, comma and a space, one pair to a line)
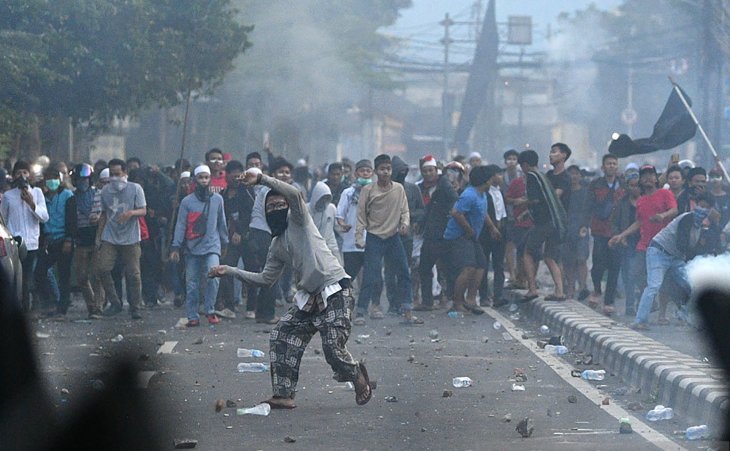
215, 161
516, 197
654, 210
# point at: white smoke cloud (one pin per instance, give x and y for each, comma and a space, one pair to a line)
709, 272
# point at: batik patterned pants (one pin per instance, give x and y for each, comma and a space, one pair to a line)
293, 332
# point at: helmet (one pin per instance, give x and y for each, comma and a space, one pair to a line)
82, 170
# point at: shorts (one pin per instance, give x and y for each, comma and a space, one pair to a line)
465, 253
519, 237
543, 234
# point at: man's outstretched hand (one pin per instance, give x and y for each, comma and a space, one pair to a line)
217, 271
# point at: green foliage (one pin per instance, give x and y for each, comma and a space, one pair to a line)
94, 60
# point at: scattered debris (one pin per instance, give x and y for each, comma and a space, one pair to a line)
541, 344
572, 399
363, 336
507, 418
525, 427
317, 352
231, 403
65, 392
635, 406
506, 336
182, 324
144, 357
625, 426
411, 358
288, 439
185, 443
423, 429
587, 359
219, 405
621, 391
497, 325
519, 375
42, 335
557, 340
525, 337
433, 334
485, 339
162, 332
518, 387
544, 329
391, 399
461, 382
117, 339
388, 333
447, 394
198, 341
606, 401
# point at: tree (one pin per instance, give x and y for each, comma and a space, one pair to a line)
96, 60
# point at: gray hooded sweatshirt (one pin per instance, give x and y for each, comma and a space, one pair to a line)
301, 245
323, 214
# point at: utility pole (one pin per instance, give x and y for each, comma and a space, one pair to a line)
446, 102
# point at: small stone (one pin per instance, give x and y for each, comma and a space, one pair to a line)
423, 429
485, 339
433, 334
635, 406
625, 427
525, 337
447, 394
507, 418
411, 359
231, 404
317, 352
572, 399
606, 401
388, 333
185, 443
219, 405
198, 341
288, 439
525, 427
391, 399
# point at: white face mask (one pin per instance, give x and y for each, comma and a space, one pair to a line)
118, 183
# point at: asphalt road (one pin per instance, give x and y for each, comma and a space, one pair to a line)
188, 377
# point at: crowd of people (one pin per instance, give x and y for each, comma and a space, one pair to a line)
451, 235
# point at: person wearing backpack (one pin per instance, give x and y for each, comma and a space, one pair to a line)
201, 228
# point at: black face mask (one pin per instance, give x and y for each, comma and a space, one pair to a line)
277, 221
202, 193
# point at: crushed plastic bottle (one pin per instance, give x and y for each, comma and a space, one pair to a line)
593, 375
497, 325
518, 387
243, 352
253, 367
696, 432
544, 330
660, 413
263, 409
556, 350
461, 382
513, 307
117, 339
455, 315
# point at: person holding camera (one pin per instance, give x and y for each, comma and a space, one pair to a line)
201, 228
24, 209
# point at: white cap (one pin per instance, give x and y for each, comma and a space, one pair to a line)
185, 175
104, 174
202, 168
301, 163
475, 155
632, 167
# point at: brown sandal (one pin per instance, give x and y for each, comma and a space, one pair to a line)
360, 395
276, 405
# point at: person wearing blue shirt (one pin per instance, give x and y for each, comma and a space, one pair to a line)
462, 231
57, 247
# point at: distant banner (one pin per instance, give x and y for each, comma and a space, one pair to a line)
674, 127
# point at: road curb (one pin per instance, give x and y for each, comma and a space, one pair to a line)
680, 381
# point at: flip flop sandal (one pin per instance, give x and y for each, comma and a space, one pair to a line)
474, 309
358, 394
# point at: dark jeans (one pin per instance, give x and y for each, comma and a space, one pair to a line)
605, 259
259, 299
354, 262
376, 249
28, 264
52, 255
493, 250
391, 279
431, 252
151, 268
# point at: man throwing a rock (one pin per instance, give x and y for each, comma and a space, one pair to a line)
323, 301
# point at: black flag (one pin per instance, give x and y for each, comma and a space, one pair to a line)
674, 127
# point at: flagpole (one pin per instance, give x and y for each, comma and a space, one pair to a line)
702, 130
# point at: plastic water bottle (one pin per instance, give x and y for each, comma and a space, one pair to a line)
252, 367
593, 375
455, 315
696, 432
556, 350
497, 325
243, 352
461, 382
660, 413
263, 409
545, 330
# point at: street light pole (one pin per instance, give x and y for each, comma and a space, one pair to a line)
445, 113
